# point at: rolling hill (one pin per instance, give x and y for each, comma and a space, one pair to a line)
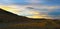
9, 20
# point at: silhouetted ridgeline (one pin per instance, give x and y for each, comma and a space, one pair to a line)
8, 16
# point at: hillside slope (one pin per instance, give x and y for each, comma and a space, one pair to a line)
12, 21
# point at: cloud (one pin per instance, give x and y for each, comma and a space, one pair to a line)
34, 8
26, 2
32, 1
33, 11
19, 2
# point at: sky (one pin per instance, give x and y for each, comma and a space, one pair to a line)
49, 9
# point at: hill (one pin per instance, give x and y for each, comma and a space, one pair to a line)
9, 20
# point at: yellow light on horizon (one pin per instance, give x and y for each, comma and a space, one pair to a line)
12, 10
37, 14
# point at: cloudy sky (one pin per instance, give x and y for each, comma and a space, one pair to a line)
49, 9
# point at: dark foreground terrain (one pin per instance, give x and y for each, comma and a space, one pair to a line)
12, 21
